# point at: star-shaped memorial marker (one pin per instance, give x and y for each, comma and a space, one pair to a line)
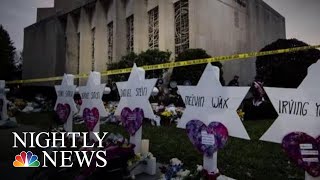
134, 104
135, 92
210, 102
65, 106
92, 107
298, 109
3, 101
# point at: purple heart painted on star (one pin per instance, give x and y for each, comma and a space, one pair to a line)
207, 139
63, 111
298, 146
91, 117
132, 120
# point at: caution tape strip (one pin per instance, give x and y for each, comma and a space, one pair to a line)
175, 64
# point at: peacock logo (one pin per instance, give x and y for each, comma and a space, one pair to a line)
26, 160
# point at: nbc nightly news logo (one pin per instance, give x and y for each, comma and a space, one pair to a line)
26, 160
57, 141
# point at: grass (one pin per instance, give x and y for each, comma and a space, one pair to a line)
43, 120
240, 159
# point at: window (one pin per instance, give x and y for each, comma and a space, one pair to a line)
130, 31
92, 48
154, 28
181, 9
110, 42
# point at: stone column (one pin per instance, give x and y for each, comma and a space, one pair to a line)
101, 39
140, 25
166, 26
119, 23
85, 44
72, 51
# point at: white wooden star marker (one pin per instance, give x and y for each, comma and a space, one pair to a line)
3, 101
65, 105
209, 101
298, 109
135, 92
92, 107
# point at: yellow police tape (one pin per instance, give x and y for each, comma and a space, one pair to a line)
175, 64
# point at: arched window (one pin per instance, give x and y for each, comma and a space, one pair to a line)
154, 28
181, 9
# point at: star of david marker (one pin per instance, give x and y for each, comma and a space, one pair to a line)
298, 109
3, 101
134, 103
298, 115
65, 106
92, 107
210, 102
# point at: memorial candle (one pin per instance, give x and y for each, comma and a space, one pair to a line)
145, 147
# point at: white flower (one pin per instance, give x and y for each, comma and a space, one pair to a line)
163, 177
217, 171
179, 172
199, 168
139, 156
150, 155
175, 161
184, 173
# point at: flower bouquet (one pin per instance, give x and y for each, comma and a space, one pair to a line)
166, 117
118, 152
175, 171
241, 114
